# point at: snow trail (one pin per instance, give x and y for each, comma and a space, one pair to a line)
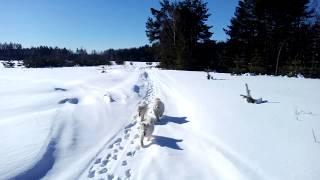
113, 162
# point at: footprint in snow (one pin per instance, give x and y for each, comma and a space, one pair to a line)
97, 161
108, 156
102, 171
91, 168
131, 154
110, 176
110, 146
121, 148
115, 150
104, 162
126, 131
124, 163
115, 157
136, 136
128, 173
91, 174
118, 140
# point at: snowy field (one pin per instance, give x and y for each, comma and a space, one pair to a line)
78, 123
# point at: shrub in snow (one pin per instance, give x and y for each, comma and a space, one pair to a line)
8, 64
103, 70
208, 76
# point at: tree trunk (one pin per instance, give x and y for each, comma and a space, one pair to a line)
278, 57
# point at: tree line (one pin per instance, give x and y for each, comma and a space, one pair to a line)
264, 37
44, 56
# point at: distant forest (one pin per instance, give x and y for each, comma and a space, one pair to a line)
44, 56
264, 37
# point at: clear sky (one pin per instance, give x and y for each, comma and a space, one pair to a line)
90, 24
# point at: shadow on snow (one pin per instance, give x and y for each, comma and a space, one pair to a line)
165, 142
41, 168
177, 120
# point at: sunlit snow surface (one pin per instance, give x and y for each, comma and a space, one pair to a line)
79, 123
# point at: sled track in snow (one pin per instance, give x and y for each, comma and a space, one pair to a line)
113, 160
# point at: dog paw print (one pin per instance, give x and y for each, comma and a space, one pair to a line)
102, 171
128, 173
124, 163
91, 174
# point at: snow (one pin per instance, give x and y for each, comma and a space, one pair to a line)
79, 123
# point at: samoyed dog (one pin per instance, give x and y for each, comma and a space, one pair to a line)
158, 108
147, 128
147, 122
149, 114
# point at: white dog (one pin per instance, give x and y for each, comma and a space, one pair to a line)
158, 108
142, 109
147, 121
147, 128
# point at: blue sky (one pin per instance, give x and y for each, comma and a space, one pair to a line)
90, 24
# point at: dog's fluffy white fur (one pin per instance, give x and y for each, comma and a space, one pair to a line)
147, 128
158, 108
149, 114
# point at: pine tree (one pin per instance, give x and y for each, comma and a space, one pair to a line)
161, 31
315, 48
266, 35
177, 29
243, 36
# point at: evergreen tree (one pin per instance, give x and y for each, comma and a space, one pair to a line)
267, 36
178, 29
315, 48
243, 36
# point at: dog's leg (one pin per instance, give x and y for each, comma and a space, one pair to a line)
141, 140
142, 135
155, 111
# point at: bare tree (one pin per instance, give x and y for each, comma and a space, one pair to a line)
248, 96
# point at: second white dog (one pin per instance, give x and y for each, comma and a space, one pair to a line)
158, 108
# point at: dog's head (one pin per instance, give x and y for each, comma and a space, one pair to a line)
142, 109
